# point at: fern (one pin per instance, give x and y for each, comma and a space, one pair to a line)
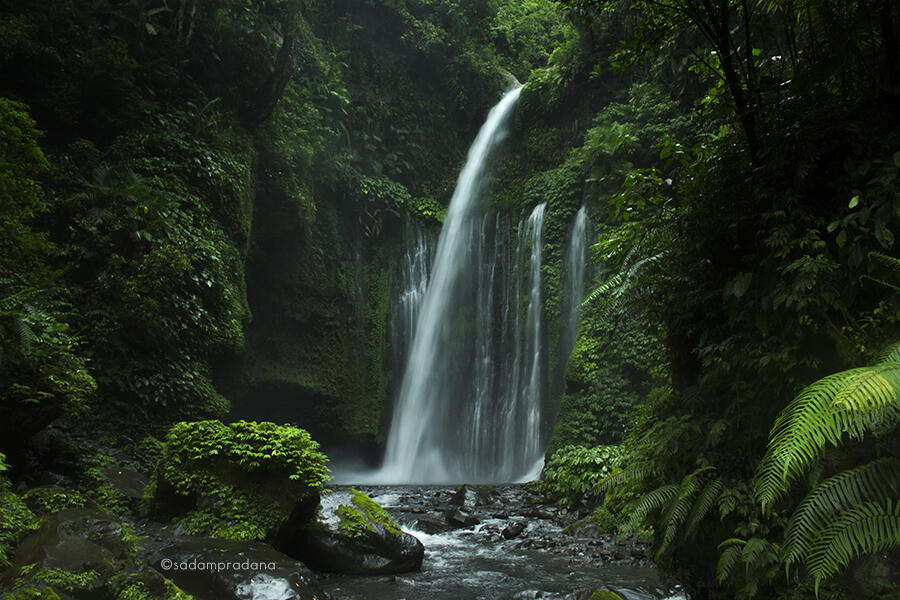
705, 501
729, 558
864, 529
849, 402
890, 354
652, 502
875, 480
853, 512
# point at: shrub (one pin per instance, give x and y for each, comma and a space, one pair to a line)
239, 480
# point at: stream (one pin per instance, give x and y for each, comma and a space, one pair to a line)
505, 547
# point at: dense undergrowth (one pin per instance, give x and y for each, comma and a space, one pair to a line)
200, 210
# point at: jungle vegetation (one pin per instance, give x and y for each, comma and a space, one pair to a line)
176, 174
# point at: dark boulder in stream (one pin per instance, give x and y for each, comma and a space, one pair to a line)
355, 537
216, 569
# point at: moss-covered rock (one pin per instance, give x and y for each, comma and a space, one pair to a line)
83, 553
239, 481
358, 538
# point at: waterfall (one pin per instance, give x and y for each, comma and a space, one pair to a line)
469, 406
415, 265
576, 264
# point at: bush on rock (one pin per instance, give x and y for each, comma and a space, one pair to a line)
239, 480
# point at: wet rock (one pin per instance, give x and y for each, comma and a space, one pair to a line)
513, 530
379, 552
128, 482
431, 524
358, 538
582, 528
216, 569
469, 497
81, 553
604, 593
457, 519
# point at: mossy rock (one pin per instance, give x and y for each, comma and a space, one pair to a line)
605, 595
83, 553
16, 519
239, 481
359, 538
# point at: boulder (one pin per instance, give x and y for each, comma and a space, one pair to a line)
431, 524
514, 529
356, 538
217, 569
457, 519
83, 553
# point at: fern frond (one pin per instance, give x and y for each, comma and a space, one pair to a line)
864, 529
869, 399
890, 354
728, 559
852, 401
798, 437
633, 473
875, 480
707, 498
678, 509
885, 260
651, 502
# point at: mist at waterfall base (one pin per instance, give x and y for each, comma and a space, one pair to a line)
467, 324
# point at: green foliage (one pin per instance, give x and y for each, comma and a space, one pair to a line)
355, 519
44, 501
240, 480
16, 519
68, 581
572, 471
41, 372
852, 512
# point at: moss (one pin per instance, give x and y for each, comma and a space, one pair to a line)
352, 523
374, 511
236, 481
605, 595
146, 585
32, 592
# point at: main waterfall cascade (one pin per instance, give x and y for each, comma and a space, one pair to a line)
467, 321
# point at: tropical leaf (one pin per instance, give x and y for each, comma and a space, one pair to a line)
890, 354
729, 558
850, 402
864, 529
876, 480
707, 498
652, 502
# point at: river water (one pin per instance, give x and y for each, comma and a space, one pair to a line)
480, 563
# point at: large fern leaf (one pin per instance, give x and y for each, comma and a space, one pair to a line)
651, 502
873, 481
853, 401
707, 498
890, 354
864, 529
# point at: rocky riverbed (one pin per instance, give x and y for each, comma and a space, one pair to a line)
496, 542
